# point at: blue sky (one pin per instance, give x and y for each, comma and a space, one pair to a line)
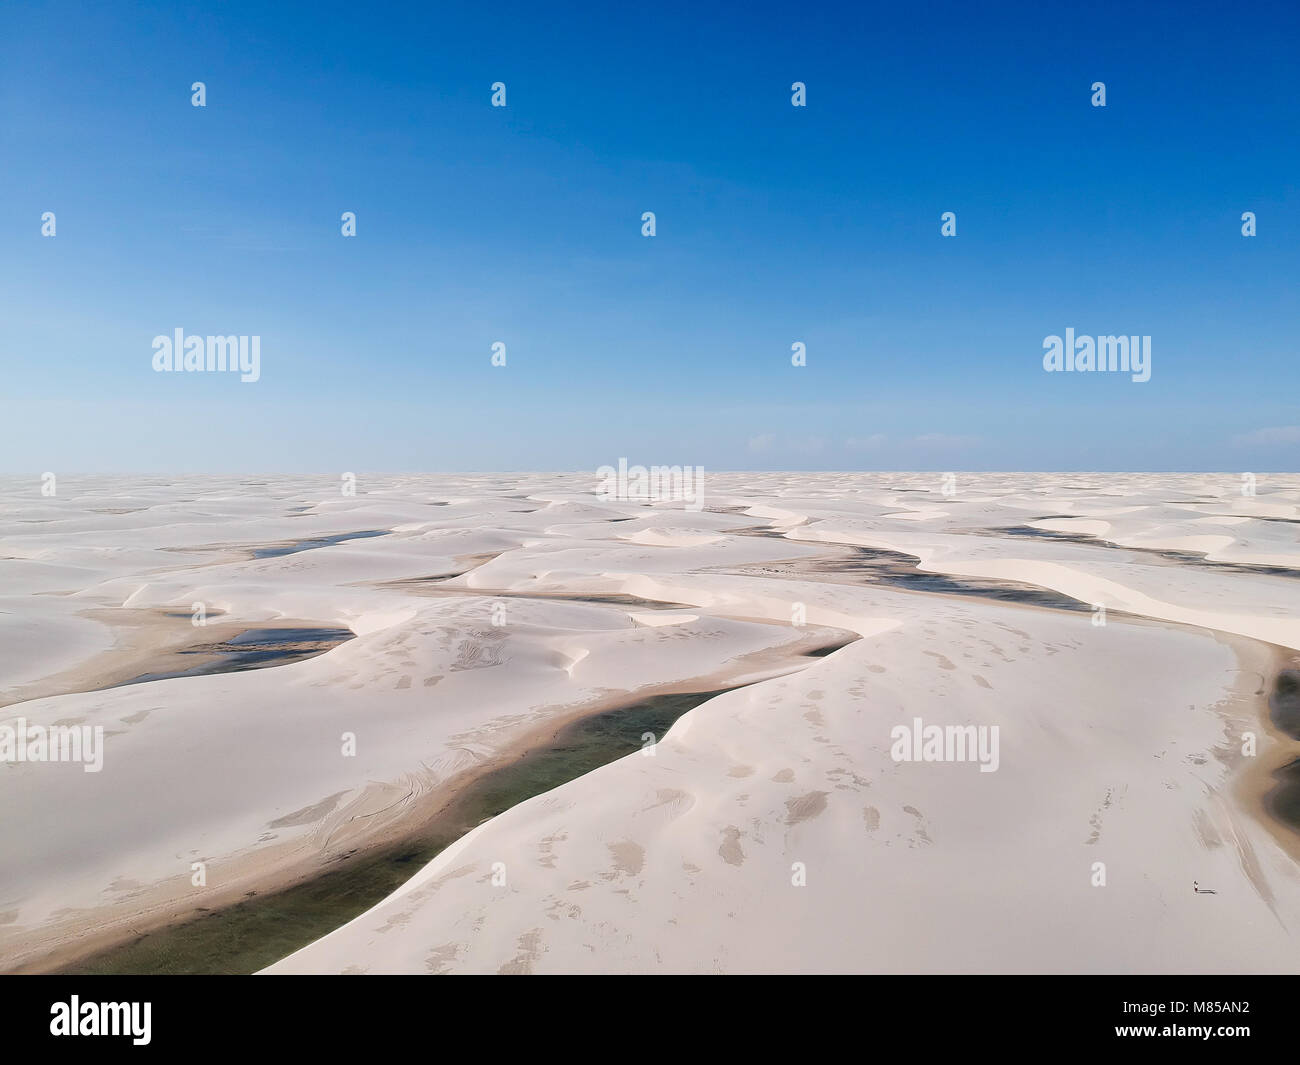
522, 224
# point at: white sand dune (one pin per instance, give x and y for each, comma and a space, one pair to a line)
771, 829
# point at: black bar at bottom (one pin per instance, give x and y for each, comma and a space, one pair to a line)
576, 1015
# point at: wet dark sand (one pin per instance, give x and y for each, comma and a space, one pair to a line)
611, 600
279, 550
1281, 800
1284, 702
429, 586
152, 646
251, 649
831, 648
899, 570
1189, 558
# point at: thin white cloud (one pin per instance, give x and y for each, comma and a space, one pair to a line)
804, 445
945, 440
1271, 437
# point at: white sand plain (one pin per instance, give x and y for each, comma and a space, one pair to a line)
770, 829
